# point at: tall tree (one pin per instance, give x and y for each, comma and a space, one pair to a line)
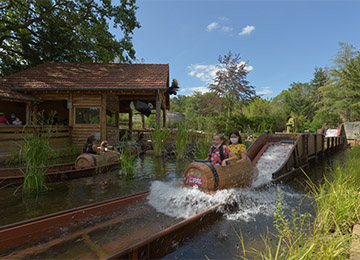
36, 31
341, 94
230, 82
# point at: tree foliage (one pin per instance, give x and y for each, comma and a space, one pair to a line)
332, 96
341, 95
36, 31
230, 82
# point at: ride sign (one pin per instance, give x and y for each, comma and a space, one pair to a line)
193, 180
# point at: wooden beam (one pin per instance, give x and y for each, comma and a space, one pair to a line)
71, 111
27, 120
158, 108
34, 114
130, 121
164, 117
137, 98
103, 117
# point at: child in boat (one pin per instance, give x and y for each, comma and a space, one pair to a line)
90, 146
219, 153
237, 147
104, 147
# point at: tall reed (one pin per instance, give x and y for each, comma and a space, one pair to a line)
127, 164
159, 137
35, 151
329, 234
182, 138
202, 148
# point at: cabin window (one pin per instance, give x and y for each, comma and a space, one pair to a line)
87, 115
111, 118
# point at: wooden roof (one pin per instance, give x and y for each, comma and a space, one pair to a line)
89, 76
7, 93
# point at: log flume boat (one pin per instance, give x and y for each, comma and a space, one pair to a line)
85, 165
209, 177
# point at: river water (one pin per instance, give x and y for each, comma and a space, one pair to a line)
254, 217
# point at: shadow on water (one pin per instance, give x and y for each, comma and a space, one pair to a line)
79, 192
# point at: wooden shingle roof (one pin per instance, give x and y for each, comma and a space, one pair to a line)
7, 93
89, 76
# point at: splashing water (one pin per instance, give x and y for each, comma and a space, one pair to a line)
175, 201
271, 160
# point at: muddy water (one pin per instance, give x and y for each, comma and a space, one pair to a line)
168, 203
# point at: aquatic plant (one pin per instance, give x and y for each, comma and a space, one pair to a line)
202, 148
159, 137
127, 164
35, 151
182, 138
329, 234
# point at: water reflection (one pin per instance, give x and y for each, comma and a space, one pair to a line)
79, 192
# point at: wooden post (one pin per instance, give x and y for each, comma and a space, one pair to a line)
103, 117
158, 108
71, 111
34, 114
27, 120
164, 117
143, 120
130, 121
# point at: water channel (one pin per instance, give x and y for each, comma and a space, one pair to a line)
169, 203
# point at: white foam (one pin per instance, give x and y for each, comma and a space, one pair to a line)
271, 160
175, 201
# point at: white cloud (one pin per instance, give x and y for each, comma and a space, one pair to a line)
247, 30
201, 89
212, 26
207, 73
266, 90
226, 28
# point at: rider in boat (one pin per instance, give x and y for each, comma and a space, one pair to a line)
237, 147
219, 153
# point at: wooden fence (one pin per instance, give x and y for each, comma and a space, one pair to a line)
12, 137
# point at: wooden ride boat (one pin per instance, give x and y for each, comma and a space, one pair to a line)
85, 165
209, 177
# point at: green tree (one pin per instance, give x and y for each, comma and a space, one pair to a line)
231, 84
267, 114
341, 94
36, 31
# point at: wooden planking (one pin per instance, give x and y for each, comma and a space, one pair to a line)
55, 95
112, 102
81, 133
86, 100
14, 145
103, 117
113, 135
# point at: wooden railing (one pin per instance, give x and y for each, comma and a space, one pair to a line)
11, 137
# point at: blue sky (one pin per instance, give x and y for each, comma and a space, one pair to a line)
283, 41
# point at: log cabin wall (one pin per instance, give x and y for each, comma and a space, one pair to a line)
112, 123
80, 131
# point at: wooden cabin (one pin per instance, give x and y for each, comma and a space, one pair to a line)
87, 97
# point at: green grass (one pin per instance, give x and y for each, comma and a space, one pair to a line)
181, 141
327, 235
35, 151
159, 137
202, 148
127, 164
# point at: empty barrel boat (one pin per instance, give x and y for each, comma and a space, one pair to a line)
209, 177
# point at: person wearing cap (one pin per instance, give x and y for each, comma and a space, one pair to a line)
3, 120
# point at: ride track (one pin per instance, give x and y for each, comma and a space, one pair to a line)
141, 234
